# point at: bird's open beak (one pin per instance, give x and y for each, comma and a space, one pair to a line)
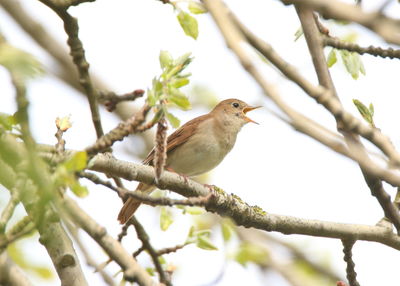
247, 109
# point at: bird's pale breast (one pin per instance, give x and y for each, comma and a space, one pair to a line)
202, 152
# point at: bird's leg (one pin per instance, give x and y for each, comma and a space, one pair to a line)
210, 187
181, 175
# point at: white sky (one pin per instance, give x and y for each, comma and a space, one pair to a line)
271, 165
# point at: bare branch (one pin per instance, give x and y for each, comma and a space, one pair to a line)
240, 212
352, 47
146, 199
386, 27
110, 99
350, 268
120, 132
319, 93
144, 238
11, 274
78, 56
314, 42
132, 270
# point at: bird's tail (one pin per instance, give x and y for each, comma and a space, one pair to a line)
132, 204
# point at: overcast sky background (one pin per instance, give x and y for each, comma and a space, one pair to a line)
271, 165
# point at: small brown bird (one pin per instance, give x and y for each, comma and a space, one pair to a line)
198, 146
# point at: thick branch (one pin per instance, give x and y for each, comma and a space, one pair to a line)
314, 42
11, 274
132, 270
239, 211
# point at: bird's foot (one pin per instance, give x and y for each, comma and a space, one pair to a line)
185, 178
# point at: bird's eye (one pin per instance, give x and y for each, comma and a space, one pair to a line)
235, 104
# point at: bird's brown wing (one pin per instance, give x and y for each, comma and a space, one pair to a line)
179, 137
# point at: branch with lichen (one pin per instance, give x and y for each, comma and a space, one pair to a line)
243, 214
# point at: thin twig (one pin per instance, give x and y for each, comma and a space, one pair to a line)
146, 199
24, 227
172, 249
352, 47
110, 99
160, 151
144, 238
78, 56
350, 266
382, 25
8, 210
118, 133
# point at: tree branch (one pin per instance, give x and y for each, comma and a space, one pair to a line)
132, 270
239, 211
314, 42
144, 238
11, 274
350, 268
352, 47
78, 56
386, 27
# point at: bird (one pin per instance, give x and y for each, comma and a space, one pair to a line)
198, 146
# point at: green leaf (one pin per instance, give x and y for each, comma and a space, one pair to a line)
179, 98
165, 59
19, 62
77, 162
183, 60
157, 87
43, 272
162, 260
79, 190
227, 228
151, 99
298, 34
150, 270
179, 82
364, 111
205, 243
371, 109
188, 24
250, 252
332, 58
175, 122
197, 8
352, 63
7, 121
166, 218
362, 68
